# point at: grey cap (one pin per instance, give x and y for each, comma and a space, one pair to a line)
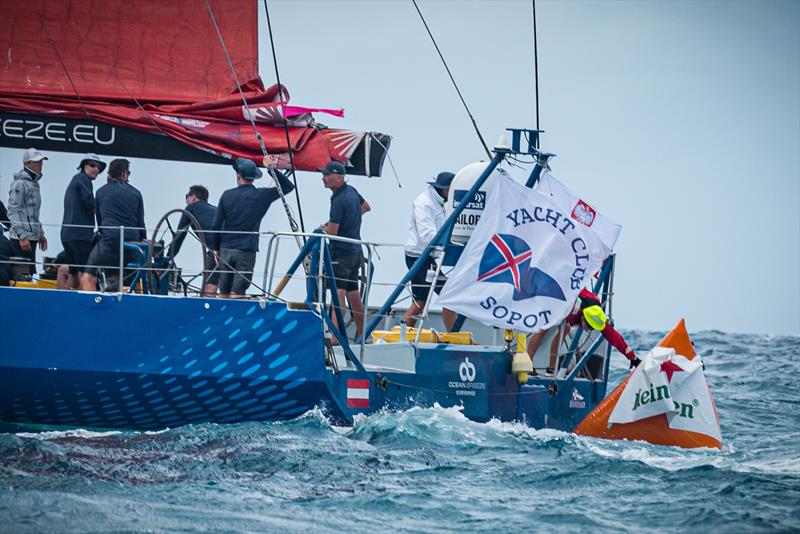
247, 169
32, 155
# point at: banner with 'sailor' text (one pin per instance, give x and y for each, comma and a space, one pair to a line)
529, 256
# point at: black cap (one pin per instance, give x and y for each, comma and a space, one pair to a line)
333, 167
443, 180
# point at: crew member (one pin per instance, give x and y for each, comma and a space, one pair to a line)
197, 204
347, 207
118, 204
24, 205
239, 214
427, 217
590, 315
77, 226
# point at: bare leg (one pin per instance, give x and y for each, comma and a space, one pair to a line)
357, 309
534, 341
555, 344
64, 279
343, 308
413, 311
449, 318
88, 282
210, 290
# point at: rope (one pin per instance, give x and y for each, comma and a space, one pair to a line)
385, 381
391, 163
285, 120
474, 124
286, 207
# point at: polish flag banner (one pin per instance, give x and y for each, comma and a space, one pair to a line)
358, 393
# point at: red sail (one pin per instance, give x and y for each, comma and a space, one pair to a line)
158, 68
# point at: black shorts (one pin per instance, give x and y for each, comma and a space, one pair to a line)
237, 270
105, 257
420, 287
346, 267
76, 254
31, 256
212, 269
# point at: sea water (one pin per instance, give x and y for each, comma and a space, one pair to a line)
428, 470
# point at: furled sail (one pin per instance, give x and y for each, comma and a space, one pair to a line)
117, 77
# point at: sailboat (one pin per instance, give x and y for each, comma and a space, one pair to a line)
229, 361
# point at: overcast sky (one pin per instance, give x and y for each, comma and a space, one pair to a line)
678, 120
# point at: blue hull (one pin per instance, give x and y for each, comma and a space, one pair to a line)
149, 362
91, 360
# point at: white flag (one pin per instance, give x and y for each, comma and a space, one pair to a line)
525, 262
670, 384
579, 209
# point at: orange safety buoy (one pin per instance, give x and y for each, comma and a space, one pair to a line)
654, 429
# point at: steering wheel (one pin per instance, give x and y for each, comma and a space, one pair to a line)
164, 274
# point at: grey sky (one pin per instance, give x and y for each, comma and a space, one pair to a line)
678, 120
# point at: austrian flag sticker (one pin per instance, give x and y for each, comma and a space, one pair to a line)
358, 393
584, 213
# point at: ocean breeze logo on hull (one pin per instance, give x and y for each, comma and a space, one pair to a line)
466, 386
525, 262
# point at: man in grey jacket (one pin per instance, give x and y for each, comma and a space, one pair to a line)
24, 204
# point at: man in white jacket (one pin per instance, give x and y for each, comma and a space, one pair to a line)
427, 217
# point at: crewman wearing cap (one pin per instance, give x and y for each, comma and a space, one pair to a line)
120, 209
427, 217
24, 205
239, 214
589, 315
347, 207
77, 226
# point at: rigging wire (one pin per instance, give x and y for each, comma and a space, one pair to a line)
285, 120
292, 222
535, 67
474, 124
61, 60
391, 163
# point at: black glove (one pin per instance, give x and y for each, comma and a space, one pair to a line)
635, 362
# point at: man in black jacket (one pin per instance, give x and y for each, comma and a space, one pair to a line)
240, 210
118, 204
77, 226
197, 204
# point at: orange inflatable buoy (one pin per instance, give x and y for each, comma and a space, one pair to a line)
654, 429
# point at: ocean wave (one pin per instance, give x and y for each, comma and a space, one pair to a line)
428, 469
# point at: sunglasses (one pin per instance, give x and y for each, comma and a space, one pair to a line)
94, 165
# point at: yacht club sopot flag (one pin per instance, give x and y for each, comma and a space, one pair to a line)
530, 254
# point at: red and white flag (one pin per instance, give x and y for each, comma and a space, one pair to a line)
358, 393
